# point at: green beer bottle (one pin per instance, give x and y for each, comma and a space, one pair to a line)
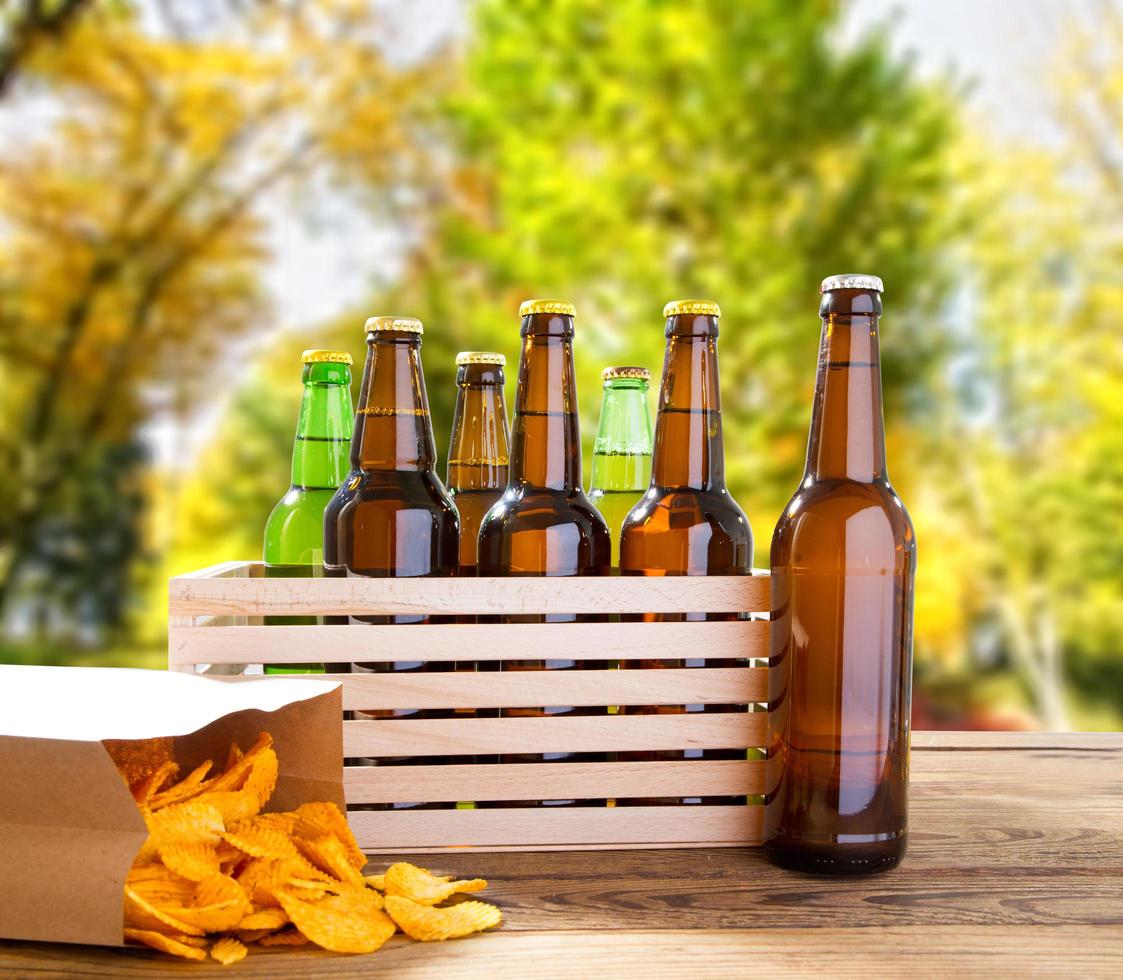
622, 451
294, 533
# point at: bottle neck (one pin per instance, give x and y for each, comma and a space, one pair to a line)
478, 455
622, 450
689, 451
392, 426
320, 451
545, 437
847, 439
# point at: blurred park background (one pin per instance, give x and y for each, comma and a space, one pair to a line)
193, 192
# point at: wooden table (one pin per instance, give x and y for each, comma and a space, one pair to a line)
1015, 867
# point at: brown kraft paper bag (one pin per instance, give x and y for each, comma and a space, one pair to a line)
69, 828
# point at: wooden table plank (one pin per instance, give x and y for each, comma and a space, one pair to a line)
1015, 867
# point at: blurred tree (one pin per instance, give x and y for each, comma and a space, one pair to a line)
135, 245
23, 26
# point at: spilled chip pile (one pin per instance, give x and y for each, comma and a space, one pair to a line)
216, 874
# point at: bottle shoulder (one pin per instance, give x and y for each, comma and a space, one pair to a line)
538, 508
675, 509
860, 521
392, 491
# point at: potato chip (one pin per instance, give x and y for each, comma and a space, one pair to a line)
423, 886
328, 854
228, 951
213, 863
141, 913
350, 922
265, 919
319, 819
261, 840
187, 787
234, 777
157, 940
429, 924
192, 821
290, 937
220, 903
135, 758
192, 860
144, 789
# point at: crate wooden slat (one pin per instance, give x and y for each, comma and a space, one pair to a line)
559, 827
590, 733
216, 626
543, 780
445, 642
359, 596
578, 688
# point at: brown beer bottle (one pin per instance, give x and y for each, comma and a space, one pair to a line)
687, 523
544, 524
840, 673
392, 517
477, 455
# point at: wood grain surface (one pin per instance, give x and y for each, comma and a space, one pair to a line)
252, 596
1015, 868
443, 642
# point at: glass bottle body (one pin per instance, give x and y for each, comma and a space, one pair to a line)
687, 523
393, 518
544, 524
843, 564
622, 451
294, 531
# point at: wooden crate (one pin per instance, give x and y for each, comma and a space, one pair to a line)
215, 626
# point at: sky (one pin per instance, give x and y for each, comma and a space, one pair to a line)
329, 257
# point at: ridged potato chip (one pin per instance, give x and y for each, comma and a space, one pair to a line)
157, 940
423, 886
328, 854
428, 924
135, 758
140, 913
290, 937
314, 820
193, 860
228, 951
350, 922
261, 841
186, 788
265, 919
220, 903
144, 789
214, 864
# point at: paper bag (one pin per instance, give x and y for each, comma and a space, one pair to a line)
69, 828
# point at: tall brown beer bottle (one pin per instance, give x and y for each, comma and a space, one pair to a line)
843, 561
478, 451
392, 517
544, 524
687, 523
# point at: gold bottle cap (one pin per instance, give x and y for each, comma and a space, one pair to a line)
691, 307
402, 324
479, 357
640, 373
531, 306
852, 280
325, 357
